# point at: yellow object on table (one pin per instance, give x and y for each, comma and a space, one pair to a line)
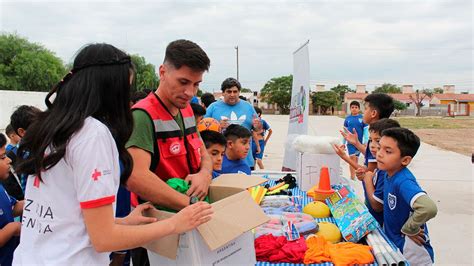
330, 232
257, 193
317, 209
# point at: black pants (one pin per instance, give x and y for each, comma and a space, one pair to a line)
140, 257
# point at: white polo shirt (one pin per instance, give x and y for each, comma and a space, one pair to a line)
53, 230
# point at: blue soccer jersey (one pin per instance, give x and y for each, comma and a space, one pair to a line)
378, 181
6, 217
369, 157
400, 192
234, 166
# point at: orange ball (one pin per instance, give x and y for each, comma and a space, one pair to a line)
209, 123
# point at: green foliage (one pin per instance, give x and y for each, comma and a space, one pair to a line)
145, 75
324, 100
399, 105
278, 91
27, 66
245, 90
387, 88
341, 90
438, 90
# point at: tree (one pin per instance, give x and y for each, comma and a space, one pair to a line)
438, 90
388, 88
418, 97
341, 90
27, 66
145, 76
278, 91
324, 100
399, 105
245, 90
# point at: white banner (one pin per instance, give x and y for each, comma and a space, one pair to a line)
298, 123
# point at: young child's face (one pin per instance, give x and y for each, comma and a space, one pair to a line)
216, 151
14, 138
369, 114
355, 109
239, 148
374, 138
4, 163
389, 156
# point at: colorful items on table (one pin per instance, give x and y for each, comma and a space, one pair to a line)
351, 215
288, 179
278, 249
323, 190
257, 193
345, 253
279, 188
329, 231
317, 209
303, 223
291, 233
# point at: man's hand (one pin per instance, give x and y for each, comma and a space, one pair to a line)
419, 238
352, 138
199, 184
224, 124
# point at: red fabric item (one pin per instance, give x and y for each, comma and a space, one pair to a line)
278, 249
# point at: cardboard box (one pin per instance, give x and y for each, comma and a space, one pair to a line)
225, 238
309, 165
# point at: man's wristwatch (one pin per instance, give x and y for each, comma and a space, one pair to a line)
193, 199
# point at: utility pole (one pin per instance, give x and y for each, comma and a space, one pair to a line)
237, 55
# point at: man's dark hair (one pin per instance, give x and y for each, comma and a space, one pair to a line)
210, 137
258, 110
186, 53
9, 130
229, 83
207, 98
234, 132
407, 141
356, 103
23, 117
3, 140
382, 124
381, 102
138, 95
198, 109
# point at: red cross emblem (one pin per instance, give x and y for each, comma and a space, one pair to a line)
96, 175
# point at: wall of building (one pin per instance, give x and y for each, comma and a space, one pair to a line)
10, 100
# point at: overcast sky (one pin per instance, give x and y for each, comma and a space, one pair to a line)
423, 43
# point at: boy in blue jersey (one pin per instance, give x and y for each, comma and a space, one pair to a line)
377, 106
351, 123
10, 208
259, 140
14, 140
238, 146
407, 207
372, 182
215, 144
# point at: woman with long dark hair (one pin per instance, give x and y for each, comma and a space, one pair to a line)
75, 147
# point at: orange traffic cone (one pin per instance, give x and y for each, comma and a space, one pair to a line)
323, 190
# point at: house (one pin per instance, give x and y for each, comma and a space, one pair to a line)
458, 104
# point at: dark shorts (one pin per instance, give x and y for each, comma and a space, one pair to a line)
254, 149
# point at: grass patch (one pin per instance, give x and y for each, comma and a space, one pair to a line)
436, 122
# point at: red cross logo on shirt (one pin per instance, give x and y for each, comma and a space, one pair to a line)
96, 175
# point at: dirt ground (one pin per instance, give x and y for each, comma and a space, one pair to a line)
454, 134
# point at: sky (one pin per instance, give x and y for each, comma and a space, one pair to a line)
426, 44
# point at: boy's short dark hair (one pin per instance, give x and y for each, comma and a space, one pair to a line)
210, 137
9, 130
198, 109
258, 110
407, 141
234, 132
229, 83
23, 117
381, 102
356, 103
382, 124
3, 140
207, 98
138, 95
186, 53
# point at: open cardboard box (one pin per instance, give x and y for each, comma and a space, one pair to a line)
235, 212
